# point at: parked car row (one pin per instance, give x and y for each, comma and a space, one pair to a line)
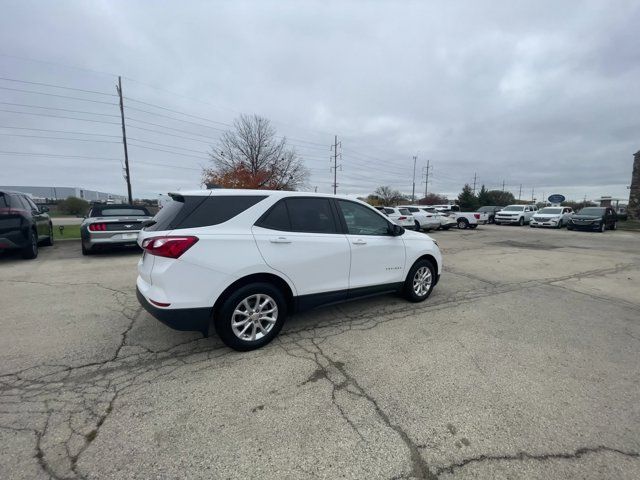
418, 217
588, 218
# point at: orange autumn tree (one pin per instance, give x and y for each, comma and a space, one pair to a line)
250, 155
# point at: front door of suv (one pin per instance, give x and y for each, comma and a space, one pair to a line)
377, 257
300, 237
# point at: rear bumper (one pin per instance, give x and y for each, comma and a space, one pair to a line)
183, 319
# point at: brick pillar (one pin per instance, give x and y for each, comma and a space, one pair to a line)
634, 194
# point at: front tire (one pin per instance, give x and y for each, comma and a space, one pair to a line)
30, 250
462, 223
420, 281
521, 221
251, 316
417, 226
603, 227
49, 241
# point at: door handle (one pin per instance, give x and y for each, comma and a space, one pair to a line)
359, 242
280, 240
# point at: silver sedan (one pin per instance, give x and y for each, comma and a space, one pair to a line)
112, 225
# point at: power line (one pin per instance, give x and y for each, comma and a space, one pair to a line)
58, 138
174, 118
165, 145
168, 128
167, 151
59, 131
55, 155
57, 95
60, 109
170, 134
58, 86
57, 64
59, 116
176, 111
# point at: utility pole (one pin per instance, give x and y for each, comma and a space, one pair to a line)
413, 190
474, 182
520, 193
425, 172
335, 146
532, 198
503, 185
124, 140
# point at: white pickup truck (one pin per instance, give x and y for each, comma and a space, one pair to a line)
518, 214
465, 219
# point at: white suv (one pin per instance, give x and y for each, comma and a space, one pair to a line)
519, 214
244, 259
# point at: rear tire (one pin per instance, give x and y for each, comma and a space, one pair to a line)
417, 226
420, 281
86, 251
463, 223
30, 251
241, 316
603, 227
614, 226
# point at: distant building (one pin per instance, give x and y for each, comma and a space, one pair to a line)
60, 193
634, 195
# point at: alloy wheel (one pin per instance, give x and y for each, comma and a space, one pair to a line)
254, 317
422, 281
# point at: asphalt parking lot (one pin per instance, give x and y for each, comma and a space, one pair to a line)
524, 363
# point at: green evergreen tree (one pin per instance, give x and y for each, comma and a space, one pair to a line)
467, 200
483, 197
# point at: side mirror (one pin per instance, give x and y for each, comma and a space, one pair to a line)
396, 230
44, 209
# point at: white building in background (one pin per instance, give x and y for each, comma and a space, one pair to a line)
60, 193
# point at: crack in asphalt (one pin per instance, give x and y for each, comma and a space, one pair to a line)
520, 456
66, 406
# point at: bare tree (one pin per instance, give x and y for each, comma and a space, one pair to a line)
252, 156
388, 196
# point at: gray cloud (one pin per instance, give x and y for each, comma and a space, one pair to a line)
544, 94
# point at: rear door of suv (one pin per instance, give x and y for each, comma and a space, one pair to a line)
301, 238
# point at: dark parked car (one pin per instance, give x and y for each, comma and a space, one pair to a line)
112, 225
594, 218
490, 210
23, 225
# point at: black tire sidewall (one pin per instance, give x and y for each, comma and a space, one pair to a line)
222, 318
462, 222
409, 294
30, 250
417, 226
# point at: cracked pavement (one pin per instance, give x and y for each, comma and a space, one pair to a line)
524, 363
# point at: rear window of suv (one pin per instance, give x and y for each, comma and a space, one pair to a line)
200, 211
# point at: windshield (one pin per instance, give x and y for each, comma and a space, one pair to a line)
486, 209
591, 211
514, 208
551, 211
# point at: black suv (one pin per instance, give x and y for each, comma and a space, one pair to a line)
594, 218
23, 225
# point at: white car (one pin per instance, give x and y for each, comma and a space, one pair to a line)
400, 216
423, 220
556, 217
465, 220
242, 260
446, 222
518, 214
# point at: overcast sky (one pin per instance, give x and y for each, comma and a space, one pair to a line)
543, 93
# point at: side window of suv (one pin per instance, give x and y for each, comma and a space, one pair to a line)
361, 220
277, 218
311, 215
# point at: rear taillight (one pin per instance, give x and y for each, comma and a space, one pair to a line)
477, 215
170, 247
98, 227
402, 218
